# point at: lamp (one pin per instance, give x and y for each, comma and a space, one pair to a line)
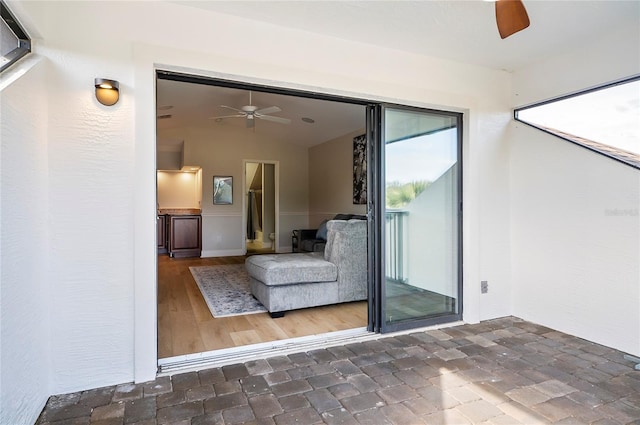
107, 91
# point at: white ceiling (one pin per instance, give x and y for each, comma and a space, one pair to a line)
463, 31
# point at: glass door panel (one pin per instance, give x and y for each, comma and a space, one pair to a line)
420, 234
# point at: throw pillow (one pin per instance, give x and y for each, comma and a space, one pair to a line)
322, 231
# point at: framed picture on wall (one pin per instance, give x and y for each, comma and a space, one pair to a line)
222, 190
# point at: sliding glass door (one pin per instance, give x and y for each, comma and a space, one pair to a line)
418, 217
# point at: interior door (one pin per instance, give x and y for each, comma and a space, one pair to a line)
417, 226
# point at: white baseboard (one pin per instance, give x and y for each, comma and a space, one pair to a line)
237, 252
222, 253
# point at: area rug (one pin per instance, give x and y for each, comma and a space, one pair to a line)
226, 290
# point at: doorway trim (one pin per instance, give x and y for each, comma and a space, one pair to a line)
276, 164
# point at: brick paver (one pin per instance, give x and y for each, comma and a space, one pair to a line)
504, 371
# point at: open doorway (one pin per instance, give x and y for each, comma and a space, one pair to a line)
260, 207
399, 283
297, 164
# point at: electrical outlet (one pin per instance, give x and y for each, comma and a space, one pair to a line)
484, 287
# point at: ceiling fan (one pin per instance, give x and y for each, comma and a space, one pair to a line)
511, 17
251, 112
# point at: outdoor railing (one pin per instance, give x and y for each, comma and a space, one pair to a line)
395, 245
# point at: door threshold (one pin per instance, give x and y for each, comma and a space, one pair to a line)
227, 356
233, 355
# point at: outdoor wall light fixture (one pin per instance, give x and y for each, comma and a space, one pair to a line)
107, 91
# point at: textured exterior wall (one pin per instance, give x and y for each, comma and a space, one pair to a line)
597, 62
101, 160
575, 221
25, 351
576, 240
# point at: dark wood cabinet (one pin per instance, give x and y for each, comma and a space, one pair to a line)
162, 235
185, 235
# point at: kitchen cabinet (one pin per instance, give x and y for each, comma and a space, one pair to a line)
185, 235
163, 242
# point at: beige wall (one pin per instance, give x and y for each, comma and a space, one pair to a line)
177, 189
315, 184
220, 151
168, 160
331, 179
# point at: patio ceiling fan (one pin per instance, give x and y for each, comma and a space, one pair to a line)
251, 112
511, 17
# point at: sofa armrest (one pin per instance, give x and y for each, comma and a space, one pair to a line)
347, 249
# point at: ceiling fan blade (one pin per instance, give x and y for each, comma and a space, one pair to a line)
234, 109
274, 119
228, 116
269, 110
511, 17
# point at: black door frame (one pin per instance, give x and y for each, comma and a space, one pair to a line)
376, 181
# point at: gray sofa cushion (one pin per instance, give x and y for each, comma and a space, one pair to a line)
283, 269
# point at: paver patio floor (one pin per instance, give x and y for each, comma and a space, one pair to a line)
503, 371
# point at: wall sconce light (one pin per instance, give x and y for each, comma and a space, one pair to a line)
107, 91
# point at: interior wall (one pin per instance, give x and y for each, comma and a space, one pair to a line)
575, 223
178, 190
220, 151
25, 349
168, 160
331, 179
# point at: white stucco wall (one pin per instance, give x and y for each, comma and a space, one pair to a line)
101, 160
597, 62
25, 346
576, 240
575, 221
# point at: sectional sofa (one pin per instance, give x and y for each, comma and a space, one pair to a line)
283, 282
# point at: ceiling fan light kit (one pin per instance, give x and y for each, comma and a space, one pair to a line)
511, 17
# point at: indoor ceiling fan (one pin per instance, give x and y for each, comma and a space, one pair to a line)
251, 112
511, 17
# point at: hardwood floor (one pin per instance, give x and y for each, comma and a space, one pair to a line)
186, 326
